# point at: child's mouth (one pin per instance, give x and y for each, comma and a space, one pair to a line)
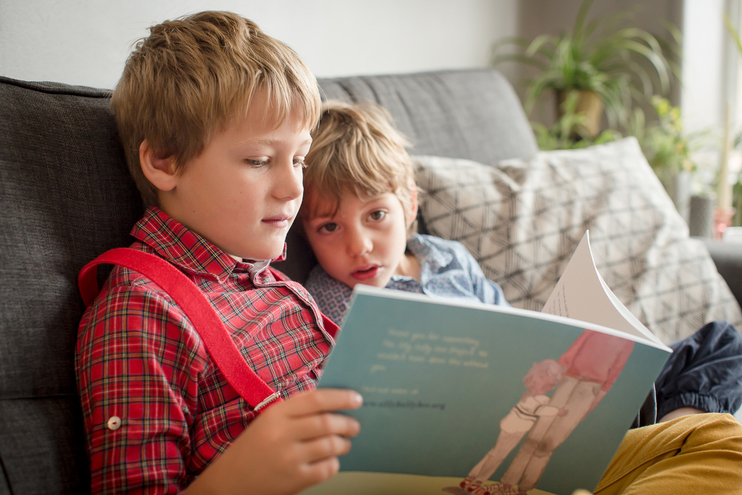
366, 273
279, 221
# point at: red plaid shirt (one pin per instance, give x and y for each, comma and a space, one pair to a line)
156, 408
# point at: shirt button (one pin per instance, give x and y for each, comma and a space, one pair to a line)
114, 423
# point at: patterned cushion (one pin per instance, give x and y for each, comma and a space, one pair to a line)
523, 218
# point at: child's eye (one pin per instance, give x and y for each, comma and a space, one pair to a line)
256, 163
299, 162
377, 215
328, 228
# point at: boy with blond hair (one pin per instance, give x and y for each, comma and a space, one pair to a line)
359, 214
215, 119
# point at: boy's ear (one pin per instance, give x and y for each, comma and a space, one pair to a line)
159, 171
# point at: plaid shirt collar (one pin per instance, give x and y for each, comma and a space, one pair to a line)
188, 250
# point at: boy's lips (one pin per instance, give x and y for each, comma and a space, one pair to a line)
279, 221
366, 272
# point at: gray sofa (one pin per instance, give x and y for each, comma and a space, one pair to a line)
67, 197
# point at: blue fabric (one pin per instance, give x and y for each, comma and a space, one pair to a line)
447, 270
704, 371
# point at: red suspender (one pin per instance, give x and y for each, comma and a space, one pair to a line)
197, 308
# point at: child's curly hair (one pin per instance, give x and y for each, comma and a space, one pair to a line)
356, 148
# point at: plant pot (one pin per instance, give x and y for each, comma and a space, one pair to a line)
701, 221
588, 104
679, 185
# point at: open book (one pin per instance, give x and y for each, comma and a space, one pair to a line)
460, 395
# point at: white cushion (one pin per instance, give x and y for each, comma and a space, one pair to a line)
522, 219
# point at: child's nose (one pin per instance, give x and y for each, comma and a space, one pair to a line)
289, 182
359, 243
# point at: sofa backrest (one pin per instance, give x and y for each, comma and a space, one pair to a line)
67, 197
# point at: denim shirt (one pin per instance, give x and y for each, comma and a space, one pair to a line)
447, 271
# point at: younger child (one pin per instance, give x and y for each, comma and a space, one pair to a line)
359, 214
215, 119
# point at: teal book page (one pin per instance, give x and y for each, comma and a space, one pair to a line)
442, 381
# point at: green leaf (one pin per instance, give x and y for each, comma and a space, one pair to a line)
621, 64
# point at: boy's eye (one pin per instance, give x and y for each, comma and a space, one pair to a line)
377, 215
328, 228
256, 163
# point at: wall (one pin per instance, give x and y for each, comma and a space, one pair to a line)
86, 41
708, 72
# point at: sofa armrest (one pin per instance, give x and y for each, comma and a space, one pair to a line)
728, 259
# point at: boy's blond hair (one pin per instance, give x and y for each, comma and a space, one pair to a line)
356, 148
190, 76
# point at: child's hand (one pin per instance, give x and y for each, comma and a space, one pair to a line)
289, 447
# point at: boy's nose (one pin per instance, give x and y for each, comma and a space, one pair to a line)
359, 243
289, 183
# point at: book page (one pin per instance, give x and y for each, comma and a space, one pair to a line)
360, 483
439, 377
582, 294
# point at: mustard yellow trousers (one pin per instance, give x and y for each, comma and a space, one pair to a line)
699, 453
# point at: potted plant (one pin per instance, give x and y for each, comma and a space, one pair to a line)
667, 147
569, 131
608, 65
669, 150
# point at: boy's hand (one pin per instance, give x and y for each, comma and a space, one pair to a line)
287, 448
